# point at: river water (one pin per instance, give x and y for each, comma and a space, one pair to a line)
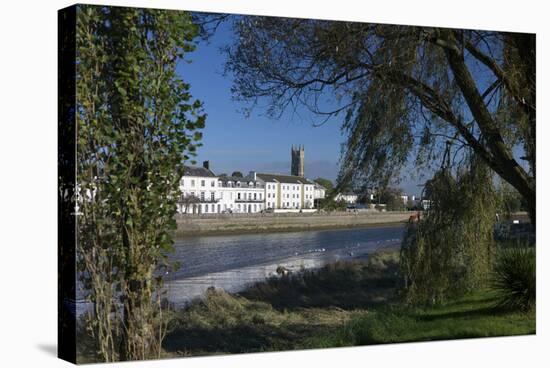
233, 262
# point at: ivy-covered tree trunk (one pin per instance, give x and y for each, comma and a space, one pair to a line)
137, 124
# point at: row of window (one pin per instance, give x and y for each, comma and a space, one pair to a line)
242, 196
251, 196
192, 183
218, 208
291, 187
294, 195
212, 183
289, 205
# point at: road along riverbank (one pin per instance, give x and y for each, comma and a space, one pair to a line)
192, 225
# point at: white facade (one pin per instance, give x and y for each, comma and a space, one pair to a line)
203, 192
349, 198
241, 195
200, 193
319, 191
287, 191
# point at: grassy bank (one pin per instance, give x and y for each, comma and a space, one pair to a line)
343, 304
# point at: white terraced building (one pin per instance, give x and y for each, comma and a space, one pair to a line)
204, 192
287, 191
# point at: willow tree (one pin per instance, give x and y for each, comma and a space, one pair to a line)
403, 91
451, 250
137, 123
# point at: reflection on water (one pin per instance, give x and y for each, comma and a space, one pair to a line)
235, 261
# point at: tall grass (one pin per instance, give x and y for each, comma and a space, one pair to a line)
514, 278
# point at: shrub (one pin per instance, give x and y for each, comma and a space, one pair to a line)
514, 278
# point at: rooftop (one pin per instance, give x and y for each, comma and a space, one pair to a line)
287, 179
198, 171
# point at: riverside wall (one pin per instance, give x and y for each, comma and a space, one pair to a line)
190, 225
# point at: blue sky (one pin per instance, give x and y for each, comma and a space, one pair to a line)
234, 142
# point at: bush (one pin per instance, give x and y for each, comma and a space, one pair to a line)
514, 278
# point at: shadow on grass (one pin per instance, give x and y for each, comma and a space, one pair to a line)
472, 313
242, 338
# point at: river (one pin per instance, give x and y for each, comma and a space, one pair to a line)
233, 262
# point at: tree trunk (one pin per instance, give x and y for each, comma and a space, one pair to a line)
500, 157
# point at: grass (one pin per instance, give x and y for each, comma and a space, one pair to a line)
342, 304
469, 317
347, 285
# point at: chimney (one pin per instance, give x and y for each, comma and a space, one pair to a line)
206, 165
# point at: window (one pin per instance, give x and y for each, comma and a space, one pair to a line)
213, 208
203, 183
238, 195
192, 183
202, 196
254, 196
212, 196
212, 183
205, 208
192, 194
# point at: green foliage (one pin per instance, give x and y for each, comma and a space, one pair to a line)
514, 278
327, 184
510, 200
392, 198
137, 123
330, 204
449, 252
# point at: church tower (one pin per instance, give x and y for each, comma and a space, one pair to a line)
297, 166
